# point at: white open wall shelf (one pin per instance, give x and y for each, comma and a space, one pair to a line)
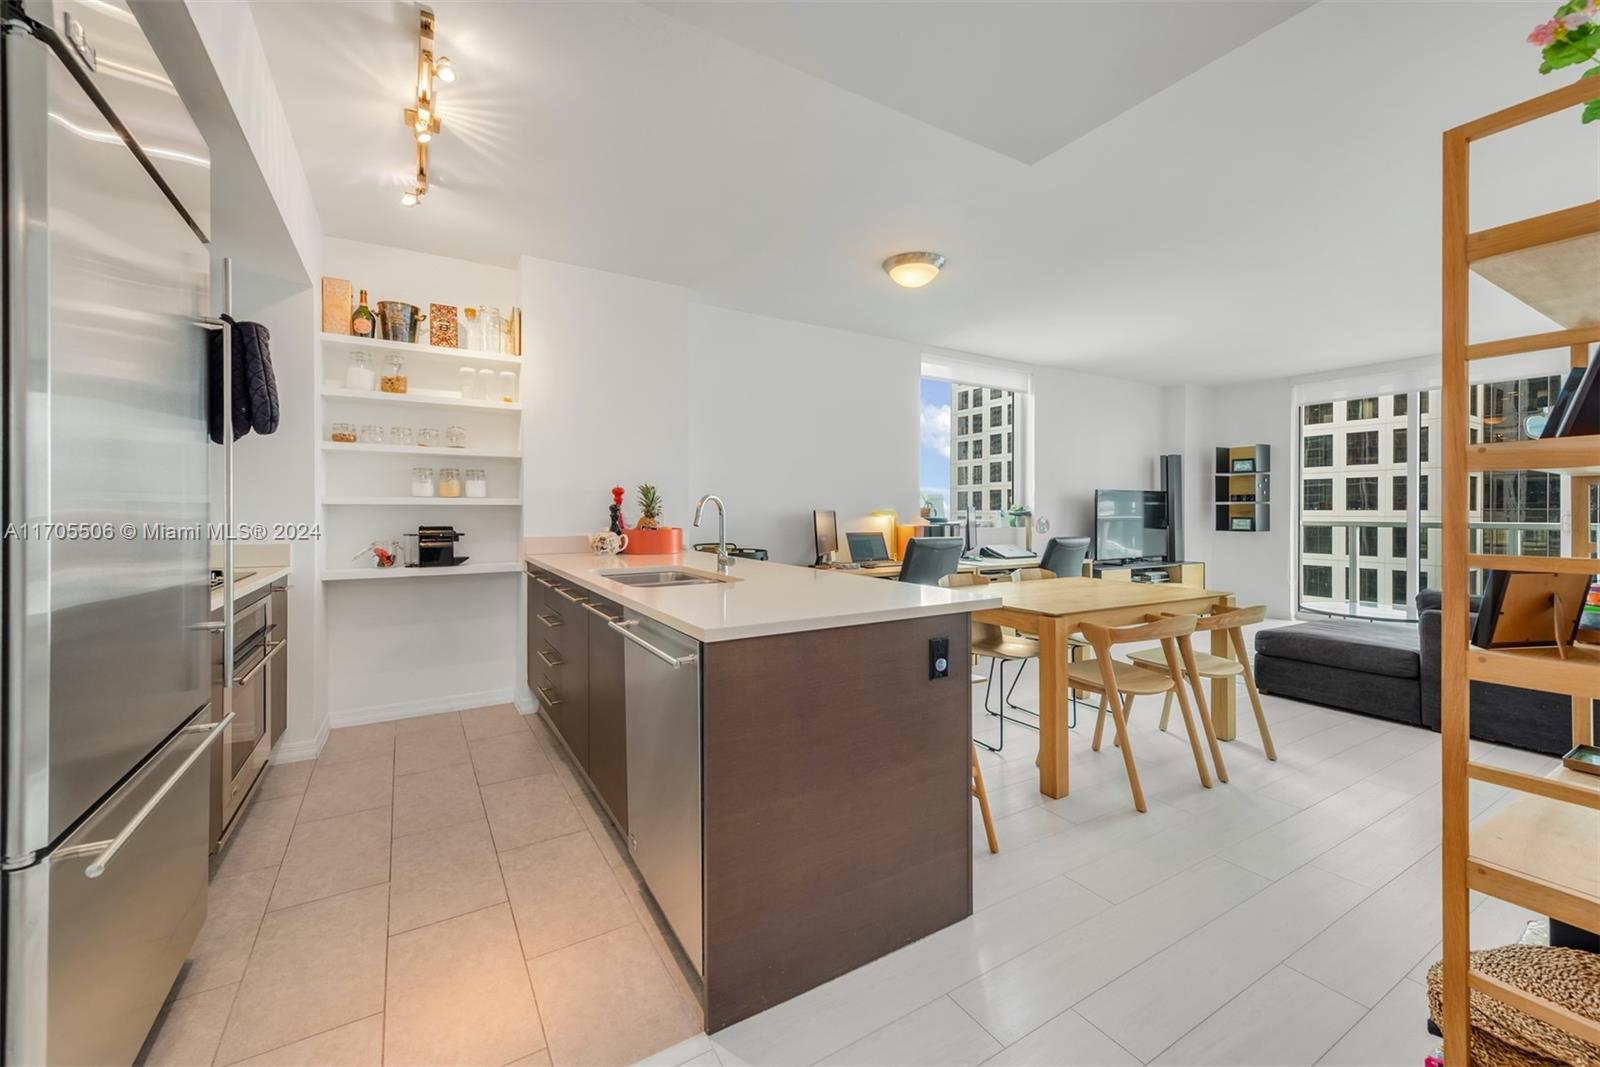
351, 484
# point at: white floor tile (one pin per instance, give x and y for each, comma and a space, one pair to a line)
1278, 850
1068, 1040
1392, 1034
935, 1034
1284, 1019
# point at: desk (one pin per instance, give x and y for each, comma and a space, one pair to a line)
892, 570
1053, 609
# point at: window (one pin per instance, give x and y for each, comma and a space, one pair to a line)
1472, 493
1009, 446
1397, 494
1316, 581
961, 450
964, 427
977, 475
1316, 540
977, 449
1422, 409
961, 399
1367, 540
1422, 493
977, 423
1319, 450
995, 444
1422, 445
1317, 414
1361, 448
1397, 452
1397, 587
994, 472
996, 500
994, 416
1365, 408
961, 500
1368, 577
1011, 471
1361, 494
1317, 494
961, 477
961, 426
1398, 542
1400, 403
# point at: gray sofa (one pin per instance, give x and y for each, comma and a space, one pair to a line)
1391, 670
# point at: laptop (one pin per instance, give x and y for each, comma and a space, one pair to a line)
868, 549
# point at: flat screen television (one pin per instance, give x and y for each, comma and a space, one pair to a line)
1130, 524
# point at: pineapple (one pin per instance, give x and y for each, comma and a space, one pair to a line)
649, 508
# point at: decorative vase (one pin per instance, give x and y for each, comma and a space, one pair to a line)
661, 541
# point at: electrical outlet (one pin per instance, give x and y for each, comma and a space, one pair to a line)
939, 657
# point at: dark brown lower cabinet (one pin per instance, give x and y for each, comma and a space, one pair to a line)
558, 659
608, 712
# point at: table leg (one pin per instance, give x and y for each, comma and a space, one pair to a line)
1052, 706
1223, 701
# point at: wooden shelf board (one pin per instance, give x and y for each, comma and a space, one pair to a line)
422, 501
1534, 342
1562, 784
420, 450
1541, 669
370, 344
1535, 564
1578, 456
375, 396
1560, 281
354, 574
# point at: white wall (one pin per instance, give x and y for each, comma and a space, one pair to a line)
396, 648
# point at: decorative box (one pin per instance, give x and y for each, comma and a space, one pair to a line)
336, 305
442, 326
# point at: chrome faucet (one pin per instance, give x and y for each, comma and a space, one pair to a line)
724, 561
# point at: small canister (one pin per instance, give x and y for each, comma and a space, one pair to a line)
421, 481
449, 481
344, 432
508, 387
401, 435
477, 484
428, 437
371, 435
455, 437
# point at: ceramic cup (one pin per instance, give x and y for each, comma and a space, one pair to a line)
606, 543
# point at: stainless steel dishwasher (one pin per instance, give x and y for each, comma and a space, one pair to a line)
662, 669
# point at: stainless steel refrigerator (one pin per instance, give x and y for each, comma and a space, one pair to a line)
105, 577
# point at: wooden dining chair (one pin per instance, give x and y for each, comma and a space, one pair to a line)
1118, 682
983, 801
1001, 647
1232, 622
968, 579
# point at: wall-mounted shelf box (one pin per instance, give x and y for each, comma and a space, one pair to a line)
1243, 484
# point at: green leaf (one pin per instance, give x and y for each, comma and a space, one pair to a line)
1591, 111
1592, 72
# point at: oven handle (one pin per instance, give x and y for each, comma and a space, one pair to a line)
273, 648
109, 849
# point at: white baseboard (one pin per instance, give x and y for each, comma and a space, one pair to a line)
525, 704
411, 709
294, 752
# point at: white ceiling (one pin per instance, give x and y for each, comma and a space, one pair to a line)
1274, 212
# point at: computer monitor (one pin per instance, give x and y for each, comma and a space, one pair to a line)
867, 547
826, 525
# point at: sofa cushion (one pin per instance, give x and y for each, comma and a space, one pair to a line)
1366, 647
1433, 600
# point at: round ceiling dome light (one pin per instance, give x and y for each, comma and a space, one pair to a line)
913, 270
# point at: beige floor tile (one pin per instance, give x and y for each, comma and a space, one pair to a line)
538, 1059
508, 756
285, 779
658, 933
315, 967
581, 987
342, 788
605, 834
525, 811
439, 874
234, 909
427, 750
260, 837
562, 891
333, 856
358, 742
429, 800
444, 720
492, 721
357, 1044
458, 992
187, 1030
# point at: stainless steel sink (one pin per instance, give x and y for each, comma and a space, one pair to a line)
656, 579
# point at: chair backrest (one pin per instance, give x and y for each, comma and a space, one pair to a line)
929, 559
1232, 618
1064, 556
1160, 628
963, 578
1031, 574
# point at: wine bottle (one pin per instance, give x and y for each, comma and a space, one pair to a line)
362, 321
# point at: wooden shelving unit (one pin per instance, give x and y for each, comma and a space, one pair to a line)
1243, 497
1541, 851
352, 343
361, 574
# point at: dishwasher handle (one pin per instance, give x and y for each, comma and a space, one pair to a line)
665, 657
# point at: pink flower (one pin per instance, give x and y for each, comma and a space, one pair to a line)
1544, 33
1576, 19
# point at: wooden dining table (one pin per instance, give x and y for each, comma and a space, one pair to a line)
1055, 608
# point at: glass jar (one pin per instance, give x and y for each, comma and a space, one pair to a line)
372, 435
397, 550
359, 374
471, 332
401, 435
488, 386
477, 484
421, 481
469, 382
428, 437
394, 374
343, 431
490, 328
455, 437
508, 387
449, 481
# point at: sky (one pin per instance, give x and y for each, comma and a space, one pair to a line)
934, 453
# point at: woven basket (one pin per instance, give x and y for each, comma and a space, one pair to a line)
1503, 1036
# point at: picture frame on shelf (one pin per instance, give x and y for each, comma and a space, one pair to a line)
1243, 466
1241, 525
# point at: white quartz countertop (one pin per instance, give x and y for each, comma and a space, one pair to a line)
262, 576
761, 598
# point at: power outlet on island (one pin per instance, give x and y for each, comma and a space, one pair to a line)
939, 657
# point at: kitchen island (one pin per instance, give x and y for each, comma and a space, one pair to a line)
785, 750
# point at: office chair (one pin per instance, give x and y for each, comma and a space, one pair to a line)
1064, 556
930, 558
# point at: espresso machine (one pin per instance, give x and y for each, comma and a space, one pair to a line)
436, 546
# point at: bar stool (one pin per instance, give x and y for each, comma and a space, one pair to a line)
1117, 683
1206, 665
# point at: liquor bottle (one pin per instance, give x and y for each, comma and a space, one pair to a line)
361, 321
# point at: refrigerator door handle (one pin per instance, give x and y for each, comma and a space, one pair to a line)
109, 849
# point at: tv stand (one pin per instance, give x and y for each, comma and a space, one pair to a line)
1180, 572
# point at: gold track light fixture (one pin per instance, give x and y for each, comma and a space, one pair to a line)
423, 117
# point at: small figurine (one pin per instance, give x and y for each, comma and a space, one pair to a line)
617, 523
